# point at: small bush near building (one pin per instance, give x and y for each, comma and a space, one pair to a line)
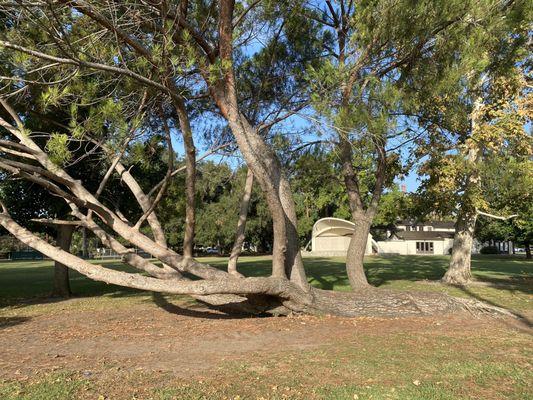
489, 250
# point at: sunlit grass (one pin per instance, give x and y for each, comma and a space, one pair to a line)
506, 280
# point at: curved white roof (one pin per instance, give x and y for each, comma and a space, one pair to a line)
333, 227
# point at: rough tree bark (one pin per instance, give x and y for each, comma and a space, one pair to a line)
527, 245
459, 271
241, 224
190, 178
61, 276
356, 251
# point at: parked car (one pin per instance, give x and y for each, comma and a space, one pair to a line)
211, 250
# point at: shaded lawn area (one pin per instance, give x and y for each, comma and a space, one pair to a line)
507, 281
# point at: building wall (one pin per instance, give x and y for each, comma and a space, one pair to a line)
407, 247
425, 228
439, 247
331, 243
448, 244
326, 244
392, 247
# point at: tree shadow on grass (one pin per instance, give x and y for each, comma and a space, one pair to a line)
382, 270
521, 317
25, 284
328, 273
7, 322
510, 284
161, 301
110, 291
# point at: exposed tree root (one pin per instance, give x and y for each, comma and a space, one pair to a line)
388, 303
368, 302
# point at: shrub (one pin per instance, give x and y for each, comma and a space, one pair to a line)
489, 250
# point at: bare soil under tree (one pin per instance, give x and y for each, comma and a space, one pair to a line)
136, 345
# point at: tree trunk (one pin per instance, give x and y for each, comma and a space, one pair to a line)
527, 245
356, 251
362, 216
84, 243
286, 257
459, 272
241, 224
61, 275
190, 178
260, 158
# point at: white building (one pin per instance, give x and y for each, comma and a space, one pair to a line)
417, 242
331, 237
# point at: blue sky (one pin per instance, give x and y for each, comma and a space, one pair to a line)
411, 180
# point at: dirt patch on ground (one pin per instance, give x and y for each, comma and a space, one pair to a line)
191, 341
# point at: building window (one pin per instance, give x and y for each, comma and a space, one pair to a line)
424, 247
429, 228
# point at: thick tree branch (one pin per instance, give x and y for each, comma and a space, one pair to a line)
268, 286
502, 218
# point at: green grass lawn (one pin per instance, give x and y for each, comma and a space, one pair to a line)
508, 279
397, 361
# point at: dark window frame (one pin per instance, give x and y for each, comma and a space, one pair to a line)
424, 247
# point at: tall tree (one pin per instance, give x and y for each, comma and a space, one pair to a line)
466, 96
374, 52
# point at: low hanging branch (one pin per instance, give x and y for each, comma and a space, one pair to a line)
51, 175
502, 218
269, 286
